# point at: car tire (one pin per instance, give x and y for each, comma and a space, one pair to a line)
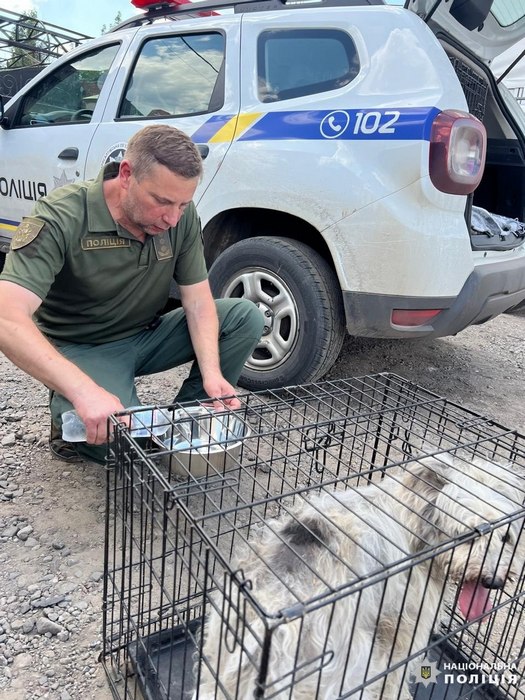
299, 296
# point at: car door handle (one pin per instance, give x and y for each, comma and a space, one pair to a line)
70, 153
204, 149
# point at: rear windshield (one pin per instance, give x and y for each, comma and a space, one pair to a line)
508, 11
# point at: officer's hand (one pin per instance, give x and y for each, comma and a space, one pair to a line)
218, 388
94, 409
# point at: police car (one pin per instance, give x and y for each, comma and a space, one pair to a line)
345, 187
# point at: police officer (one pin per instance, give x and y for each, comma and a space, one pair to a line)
88, 275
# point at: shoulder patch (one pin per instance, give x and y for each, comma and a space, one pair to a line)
26, 232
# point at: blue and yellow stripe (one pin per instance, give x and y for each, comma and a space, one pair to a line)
8, 226
411, 123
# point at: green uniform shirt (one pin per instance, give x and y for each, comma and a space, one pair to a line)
98, 282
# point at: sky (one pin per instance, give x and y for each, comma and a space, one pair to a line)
85, 16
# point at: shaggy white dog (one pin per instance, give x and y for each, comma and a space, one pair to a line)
343, 590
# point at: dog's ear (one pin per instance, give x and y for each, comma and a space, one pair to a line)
503, 478
423, 482
433, 472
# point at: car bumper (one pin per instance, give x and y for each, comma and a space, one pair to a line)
489, 291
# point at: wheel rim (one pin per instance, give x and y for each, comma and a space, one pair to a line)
273, 297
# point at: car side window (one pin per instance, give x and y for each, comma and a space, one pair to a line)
176, 76
70, 93
294, 63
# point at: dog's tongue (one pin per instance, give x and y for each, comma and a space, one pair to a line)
474, 600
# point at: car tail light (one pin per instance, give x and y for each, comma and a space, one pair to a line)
413, 317
458, 145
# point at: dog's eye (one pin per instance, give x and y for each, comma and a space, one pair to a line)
506, 538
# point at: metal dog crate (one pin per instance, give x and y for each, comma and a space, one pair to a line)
173, 542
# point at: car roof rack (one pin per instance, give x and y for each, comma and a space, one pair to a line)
206, 8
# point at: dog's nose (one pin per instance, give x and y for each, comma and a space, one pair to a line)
492, 582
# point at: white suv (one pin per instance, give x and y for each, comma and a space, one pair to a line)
342, 146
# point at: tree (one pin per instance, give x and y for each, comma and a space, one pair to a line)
116, 21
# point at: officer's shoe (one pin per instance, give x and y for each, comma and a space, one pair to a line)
60, 449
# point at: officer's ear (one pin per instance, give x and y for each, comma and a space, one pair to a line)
124, 173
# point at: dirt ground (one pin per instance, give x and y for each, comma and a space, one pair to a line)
52, 513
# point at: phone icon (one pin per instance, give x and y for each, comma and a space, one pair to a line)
334, 124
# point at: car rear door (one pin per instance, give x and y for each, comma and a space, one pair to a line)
486, 28
182, 73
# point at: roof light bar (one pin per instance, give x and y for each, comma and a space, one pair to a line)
144, 4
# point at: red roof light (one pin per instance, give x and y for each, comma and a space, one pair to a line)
159, 4
143, 4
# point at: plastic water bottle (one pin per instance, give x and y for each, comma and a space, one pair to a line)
143, 424
73, 428
148, 421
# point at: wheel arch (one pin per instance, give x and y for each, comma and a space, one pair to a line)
235, 225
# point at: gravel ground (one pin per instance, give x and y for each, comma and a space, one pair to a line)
52, 513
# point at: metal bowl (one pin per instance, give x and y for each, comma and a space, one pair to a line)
203, 442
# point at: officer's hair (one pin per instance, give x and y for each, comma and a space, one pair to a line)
164, 145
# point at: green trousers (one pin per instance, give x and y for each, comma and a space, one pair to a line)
115, 365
